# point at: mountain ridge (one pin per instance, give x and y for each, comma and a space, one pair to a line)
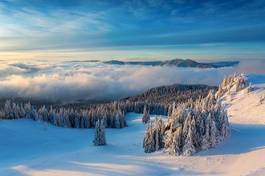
177, 63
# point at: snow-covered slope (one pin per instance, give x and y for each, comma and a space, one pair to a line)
39, 149
248, 105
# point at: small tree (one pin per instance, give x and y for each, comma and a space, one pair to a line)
100, 138
146, 115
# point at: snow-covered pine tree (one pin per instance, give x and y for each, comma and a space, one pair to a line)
8, 110
225, 128
122, 119
189, 148
117, 121
205, 144
146, 115
100, 138
213, 132
27, 108
16, 111
154, 134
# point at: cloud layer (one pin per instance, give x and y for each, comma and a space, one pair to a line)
69, 81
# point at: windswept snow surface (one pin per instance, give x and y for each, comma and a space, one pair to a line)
37, 148
40, 149
249, 107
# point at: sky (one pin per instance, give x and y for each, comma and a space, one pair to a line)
136, 29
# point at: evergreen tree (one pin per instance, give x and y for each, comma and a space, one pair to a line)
188, 148
100, 138
154, 136
146, 116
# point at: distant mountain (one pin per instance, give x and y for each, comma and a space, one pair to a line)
150, 63
177, 63
224, 64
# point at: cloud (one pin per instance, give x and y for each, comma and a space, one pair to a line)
69, 81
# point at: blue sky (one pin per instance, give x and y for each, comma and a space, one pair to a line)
137, 29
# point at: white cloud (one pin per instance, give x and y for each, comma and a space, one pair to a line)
71, 81
79, 80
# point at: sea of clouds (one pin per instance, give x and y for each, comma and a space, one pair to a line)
76, 80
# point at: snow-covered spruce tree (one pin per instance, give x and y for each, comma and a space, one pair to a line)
27, 108
189, 148
100, 138
146, 116
119, 121
153, 138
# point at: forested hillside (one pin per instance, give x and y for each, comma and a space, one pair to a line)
173, 93
158, 101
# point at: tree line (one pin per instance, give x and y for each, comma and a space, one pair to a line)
157, 100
